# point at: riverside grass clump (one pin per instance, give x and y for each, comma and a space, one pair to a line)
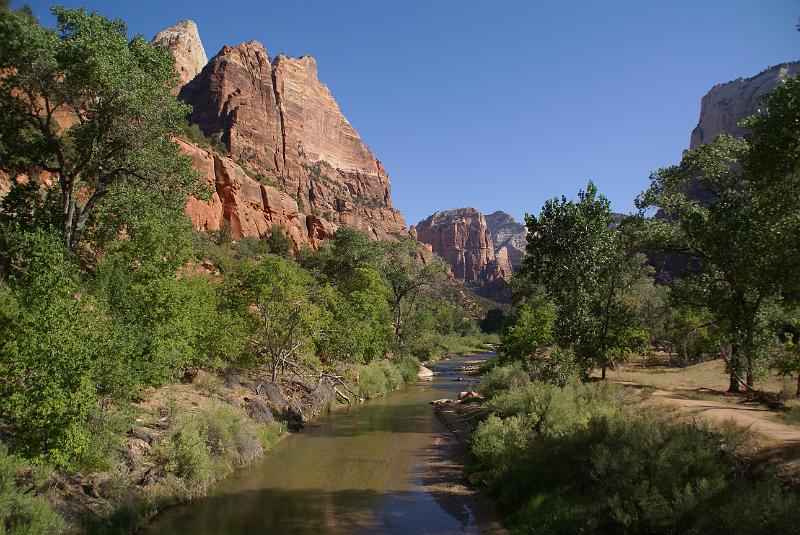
382, 376
22, 511
206, 445
578, 459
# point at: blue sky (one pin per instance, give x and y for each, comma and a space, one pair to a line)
501, 105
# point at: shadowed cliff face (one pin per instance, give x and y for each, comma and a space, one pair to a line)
509, 237
463, 239
290, 147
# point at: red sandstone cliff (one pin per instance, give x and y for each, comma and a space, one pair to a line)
463, 239
282, 127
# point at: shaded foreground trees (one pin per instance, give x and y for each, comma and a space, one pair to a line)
743, 239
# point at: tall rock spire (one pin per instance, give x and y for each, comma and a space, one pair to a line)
183, 42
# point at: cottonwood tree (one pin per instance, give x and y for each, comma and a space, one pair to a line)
744, 236
91, 108
407, 274
278, 297
587, 269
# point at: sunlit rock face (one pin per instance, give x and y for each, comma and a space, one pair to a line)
463, 239
183, 42
726, 104
284, 132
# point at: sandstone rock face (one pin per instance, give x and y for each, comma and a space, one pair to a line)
249, 207
183, 42
283, 126
509, 237
462, 238
727, 104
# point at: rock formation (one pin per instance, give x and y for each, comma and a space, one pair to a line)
726, 104
183, 42
284, 130
508, 236
463, 239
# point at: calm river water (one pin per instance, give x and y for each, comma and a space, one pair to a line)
356, 470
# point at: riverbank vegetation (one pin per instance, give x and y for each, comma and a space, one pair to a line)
589, 457
707, 269
109, 298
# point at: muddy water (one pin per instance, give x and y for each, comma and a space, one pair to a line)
357, 470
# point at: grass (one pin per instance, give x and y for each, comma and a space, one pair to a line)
706, 380
792, 416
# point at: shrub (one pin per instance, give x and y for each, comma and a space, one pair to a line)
204, 446
558, 366
381, 376
408, 367
22, 510
501, 378
577, 460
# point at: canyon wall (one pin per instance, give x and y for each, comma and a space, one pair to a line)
463, 239
726, 104
508, 236
286, 139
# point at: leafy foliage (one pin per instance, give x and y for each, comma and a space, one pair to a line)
91, 107
577, 459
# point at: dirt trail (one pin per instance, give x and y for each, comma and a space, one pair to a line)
760, 420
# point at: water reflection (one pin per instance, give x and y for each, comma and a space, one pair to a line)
353, 471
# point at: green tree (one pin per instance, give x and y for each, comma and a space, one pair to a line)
530, 331
736, 241
407, 274
587, 269
287, 316
91, 107
51, 344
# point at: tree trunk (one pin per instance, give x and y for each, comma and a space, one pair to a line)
603, 373
797, 392
749, 358
735, 369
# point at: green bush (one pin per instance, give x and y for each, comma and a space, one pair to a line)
382, 376
502, 378
578, 460
408, 366
558, 366
203, 446
22, 510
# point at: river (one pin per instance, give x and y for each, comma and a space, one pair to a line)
356, 470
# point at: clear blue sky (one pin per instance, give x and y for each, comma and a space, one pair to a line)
501, 105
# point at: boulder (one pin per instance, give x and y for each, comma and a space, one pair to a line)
259, 410
425, 373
